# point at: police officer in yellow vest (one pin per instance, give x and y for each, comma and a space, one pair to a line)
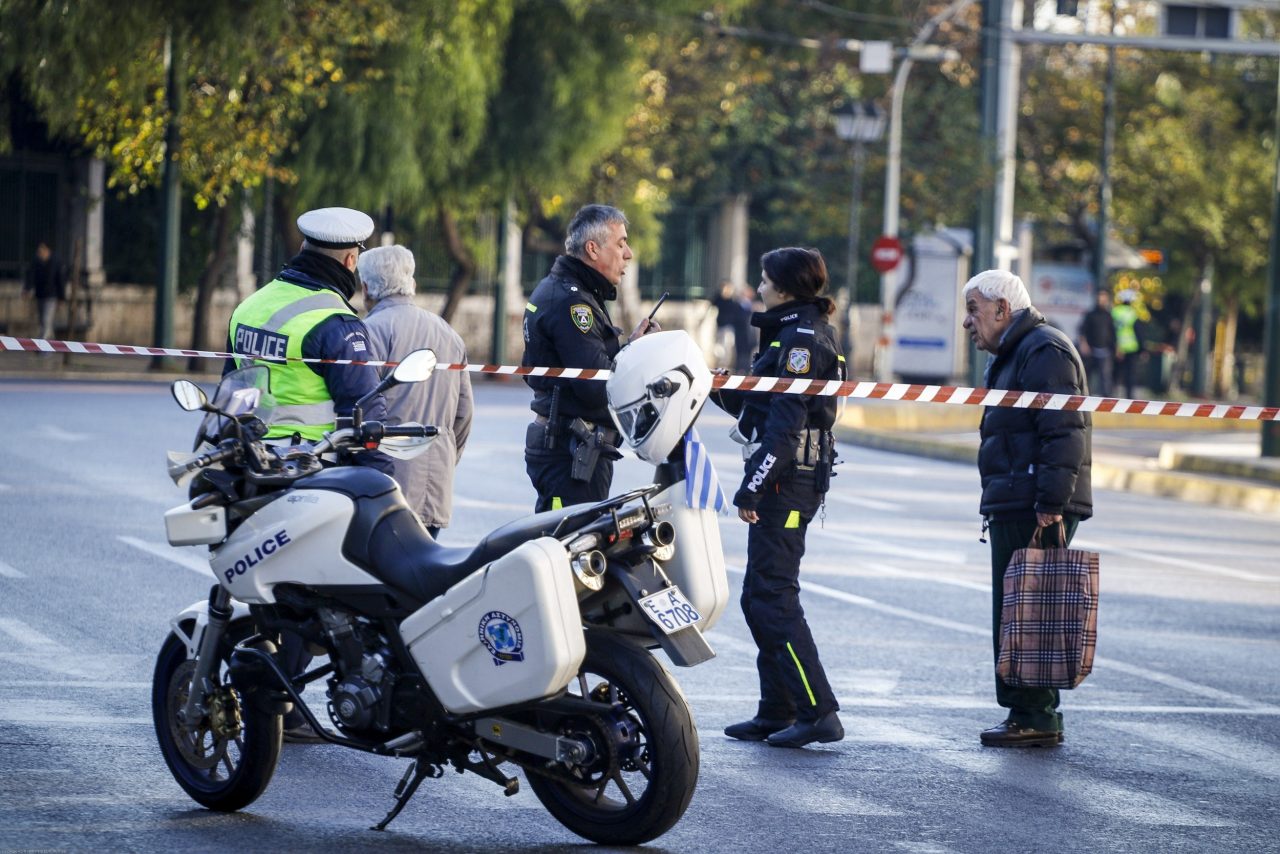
305, 312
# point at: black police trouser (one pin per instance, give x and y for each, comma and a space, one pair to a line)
1029, 707
550, 473
792, 681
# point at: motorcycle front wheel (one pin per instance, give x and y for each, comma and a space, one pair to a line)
224, 760
642, 776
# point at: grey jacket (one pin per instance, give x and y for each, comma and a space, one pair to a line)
397, 327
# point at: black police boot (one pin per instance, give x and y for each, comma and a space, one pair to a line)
825, 729
1011, 734
756, 729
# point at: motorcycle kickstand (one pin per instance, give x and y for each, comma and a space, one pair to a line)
486, 769
409, 783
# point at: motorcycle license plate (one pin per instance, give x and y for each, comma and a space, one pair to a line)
669, 610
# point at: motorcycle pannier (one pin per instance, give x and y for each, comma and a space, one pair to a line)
508, 633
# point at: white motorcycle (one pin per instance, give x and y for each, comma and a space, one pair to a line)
532, 648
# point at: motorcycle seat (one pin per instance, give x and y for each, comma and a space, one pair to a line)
402, 553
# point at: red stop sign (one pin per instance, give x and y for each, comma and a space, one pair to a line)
886, 253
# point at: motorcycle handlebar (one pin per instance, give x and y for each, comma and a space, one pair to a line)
176, 470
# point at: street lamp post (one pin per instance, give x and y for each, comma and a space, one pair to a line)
859, 123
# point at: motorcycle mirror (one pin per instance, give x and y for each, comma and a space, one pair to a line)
415, 367
189, 395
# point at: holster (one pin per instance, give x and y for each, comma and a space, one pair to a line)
587, 443
822, 470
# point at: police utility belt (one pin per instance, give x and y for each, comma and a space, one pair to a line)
813, 449
588, 442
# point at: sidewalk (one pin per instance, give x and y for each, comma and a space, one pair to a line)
1203, 460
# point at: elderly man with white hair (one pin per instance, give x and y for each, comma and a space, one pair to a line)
397, 327
1034, 463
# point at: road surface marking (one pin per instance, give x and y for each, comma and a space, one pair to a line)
1099, 661
184, 559
877, 546
1251, 756
7, 571
484, 504
869, 503
60, 435
29, 637
1023, 771
1244, 575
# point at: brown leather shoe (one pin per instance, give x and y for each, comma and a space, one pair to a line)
756, 729
1011, 734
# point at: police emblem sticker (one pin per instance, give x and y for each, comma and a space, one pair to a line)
582, 317
501, 635
798, 360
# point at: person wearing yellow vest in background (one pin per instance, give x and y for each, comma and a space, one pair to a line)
305, 312
1127, 344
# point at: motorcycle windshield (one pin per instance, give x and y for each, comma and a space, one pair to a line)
241, 392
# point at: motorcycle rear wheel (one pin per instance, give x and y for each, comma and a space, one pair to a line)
225, 760
644, 785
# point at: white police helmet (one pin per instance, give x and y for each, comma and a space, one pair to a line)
658, 386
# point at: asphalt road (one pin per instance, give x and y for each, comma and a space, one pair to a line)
1172, 744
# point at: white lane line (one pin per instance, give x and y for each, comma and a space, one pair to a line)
18, 715
87, 685
1084, 792
61, 435
964, 704
29, 637
1099, 661
184, 559
869, 503
1252, 756
7, 571
876, 546
4, 487
885, 569
482, 504
1151, 557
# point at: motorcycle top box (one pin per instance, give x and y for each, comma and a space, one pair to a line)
505, 634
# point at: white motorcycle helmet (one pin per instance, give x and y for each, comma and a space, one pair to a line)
658, 386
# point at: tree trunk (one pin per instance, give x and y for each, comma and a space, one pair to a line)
1224, 354
214, 270
464, 265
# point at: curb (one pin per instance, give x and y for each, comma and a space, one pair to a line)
1203, 487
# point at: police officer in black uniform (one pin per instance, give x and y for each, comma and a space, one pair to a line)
571, 445
790, 452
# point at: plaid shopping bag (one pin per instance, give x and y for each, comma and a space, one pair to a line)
1049, 619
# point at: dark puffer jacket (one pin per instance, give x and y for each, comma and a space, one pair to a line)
1035, 460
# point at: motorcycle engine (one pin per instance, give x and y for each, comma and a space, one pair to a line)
363, 672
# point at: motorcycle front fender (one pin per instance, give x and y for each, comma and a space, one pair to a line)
196, 616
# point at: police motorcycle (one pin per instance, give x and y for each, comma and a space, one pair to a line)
531, 649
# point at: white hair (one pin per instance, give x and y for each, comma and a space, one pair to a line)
591, 222
387, 271
997, 285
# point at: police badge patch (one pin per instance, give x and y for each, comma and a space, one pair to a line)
501, 635
798, 360
582, 317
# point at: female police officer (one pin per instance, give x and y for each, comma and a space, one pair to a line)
789, 452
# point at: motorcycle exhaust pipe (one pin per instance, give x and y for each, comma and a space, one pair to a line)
588, 569
663, 534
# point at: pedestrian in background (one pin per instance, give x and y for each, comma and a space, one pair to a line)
47, 283
789, 453
1098, 344
1128, 345
397, 327
1034, 464
729, 314
745, 336
567, 325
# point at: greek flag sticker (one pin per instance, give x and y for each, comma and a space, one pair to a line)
701, 486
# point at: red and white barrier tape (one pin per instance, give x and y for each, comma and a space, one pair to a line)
955, 395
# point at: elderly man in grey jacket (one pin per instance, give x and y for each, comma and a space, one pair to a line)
397, 327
